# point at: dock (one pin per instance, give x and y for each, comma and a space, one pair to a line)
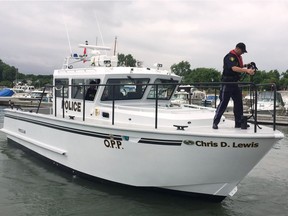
262, 119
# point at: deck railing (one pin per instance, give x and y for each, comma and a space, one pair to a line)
252, 89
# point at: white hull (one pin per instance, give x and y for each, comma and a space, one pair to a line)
209, 163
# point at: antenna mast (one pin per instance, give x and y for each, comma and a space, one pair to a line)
101, 36
115, 46
67, 33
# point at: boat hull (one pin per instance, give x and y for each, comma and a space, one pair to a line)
185, 162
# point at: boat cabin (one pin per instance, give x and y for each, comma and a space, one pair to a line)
86, 90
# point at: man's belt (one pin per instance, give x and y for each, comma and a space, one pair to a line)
230, 78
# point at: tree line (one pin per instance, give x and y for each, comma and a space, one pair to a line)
212, 75
8, 74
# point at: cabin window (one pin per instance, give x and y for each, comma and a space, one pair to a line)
90, 86
90, 91
61, 87
124, 89
165, 89
77, 88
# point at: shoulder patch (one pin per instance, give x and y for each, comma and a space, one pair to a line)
232, 58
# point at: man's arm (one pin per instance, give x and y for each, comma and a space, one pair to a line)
243, 70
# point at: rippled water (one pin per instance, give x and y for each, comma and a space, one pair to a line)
28, 186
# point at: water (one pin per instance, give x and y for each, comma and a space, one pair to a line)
28, 186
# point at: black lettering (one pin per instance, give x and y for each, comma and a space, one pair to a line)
79, 107
75, 106
206, 144
107, 143
112, 143
245, 145
66, 105
224, 144
118, 144
70, 105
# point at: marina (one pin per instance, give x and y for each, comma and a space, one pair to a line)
97, 120
25, 96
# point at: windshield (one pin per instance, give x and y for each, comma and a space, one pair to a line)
165, 89
124, 89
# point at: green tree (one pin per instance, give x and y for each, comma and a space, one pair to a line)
257, 78
203, 75
126, 60
7, 84
285, 74
121, 59
1, 69
274, 76
9, 73
263, 77
181, 69
283, 83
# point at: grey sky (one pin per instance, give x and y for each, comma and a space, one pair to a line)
34, 39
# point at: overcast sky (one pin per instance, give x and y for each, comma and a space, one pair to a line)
34, 37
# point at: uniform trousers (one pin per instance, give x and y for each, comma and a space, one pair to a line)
230, 91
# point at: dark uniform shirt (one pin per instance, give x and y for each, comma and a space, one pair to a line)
228, 75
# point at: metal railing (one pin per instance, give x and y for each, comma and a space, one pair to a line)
252, 88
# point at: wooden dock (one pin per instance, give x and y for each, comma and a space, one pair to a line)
262, 119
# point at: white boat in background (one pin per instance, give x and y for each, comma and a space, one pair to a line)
23, 88
197, 96
265, 103
180, 97
230, 106
284, 95
187, 94
18, 93
6, 94
13, 95
137, 138
46, 96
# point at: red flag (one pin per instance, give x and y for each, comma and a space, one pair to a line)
84, 55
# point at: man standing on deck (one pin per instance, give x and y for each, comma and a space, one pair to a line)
232, 69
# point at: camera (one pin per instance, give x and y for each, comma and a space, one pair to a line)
252, 65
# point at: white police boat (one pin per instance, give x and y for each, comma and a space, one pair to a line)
126, 131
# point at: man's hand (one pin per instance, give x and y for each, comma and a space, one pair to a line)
250, 71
